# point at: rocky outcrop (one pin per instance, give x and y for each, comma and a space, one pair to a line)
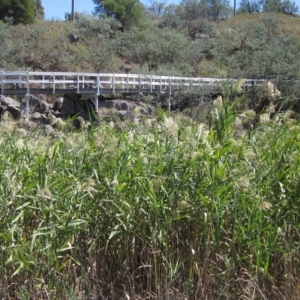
10, 105
73, 37
75, 106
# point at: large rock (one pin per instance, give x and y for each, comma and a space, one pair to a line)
68, 107
14, 111
58, 104
121, 105
124, 115
124, 105
6, 101
73, 37
36, 104
106, 104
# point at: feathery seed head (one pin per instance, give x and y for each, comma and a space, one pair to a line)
114, 183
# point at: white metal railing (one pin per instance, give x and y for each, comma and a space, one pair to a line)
99, 81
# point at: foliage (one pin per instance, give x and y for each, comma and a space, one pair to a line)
248, 6
21, 11
194, 15
192, 208
279, 6
283, 6
93, 26
154, 48
156, 9
101, 53
128, 12
39, 10
6, 46
240, 47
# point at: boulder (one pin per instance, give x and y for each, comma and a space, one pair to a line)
38, 117
73, 37
106, 104
58, 104
124, 115
14, 111
68, 107
36, 104
6, 101
122, 105
49, 129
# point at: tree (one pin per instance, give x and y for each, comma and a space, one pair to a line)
154, 47
39, 10
194, 15
6, 47
280, 6
249, 6
21, 11
156, 9
128, 12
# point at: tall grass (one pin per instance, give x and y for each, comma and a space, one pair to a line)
178, 210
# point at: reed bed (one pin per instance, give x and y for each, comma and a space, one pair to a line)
175, 210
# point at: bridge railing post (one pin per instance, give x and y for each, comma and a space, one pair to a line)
127, 88
140, 86
113, 83
2, 84
169, 98
20, 82
98, 84
28, 87
160, 84
27, 105
53, 88
78, 83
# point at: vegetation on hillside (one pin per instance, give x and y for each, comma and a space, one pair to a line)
185, 40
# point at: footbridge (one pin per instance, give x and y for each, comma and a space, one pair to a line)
27, 83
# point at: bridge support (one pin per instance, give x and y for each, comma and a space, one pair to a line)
27, 96
169, 98
95, 102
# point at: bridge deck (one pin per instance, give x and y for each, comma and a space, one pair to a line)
19, 82
81, 91
95, 84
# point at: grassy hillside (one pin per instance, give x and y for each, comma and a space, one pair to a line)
263, 45
288, 25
